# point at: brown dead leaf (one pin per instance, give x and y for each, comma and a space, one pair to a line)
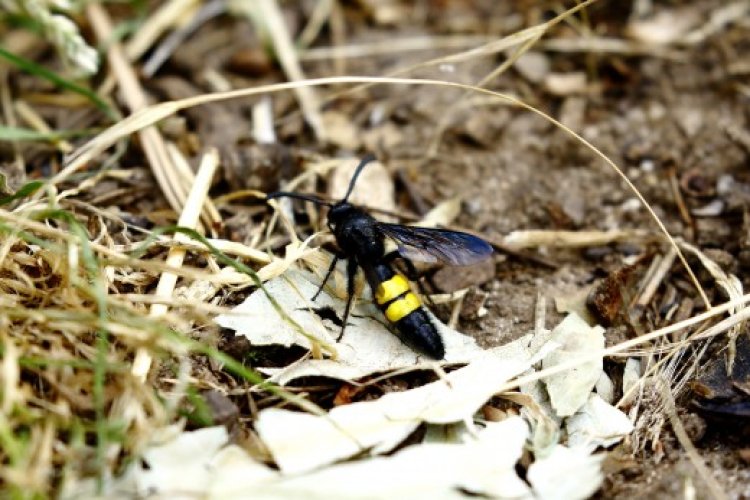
607, 300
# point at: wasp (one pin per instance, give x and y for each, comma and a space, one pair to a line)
361, 241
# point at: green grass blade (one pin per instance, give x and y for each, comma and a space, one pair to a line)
51, 76
26, 190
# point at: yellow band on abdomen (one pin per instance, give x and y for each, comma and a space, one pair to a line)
390, 289
401, 307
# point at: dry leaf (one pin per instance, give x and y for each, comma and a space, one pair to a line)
597, 424
367, 346
570, 389
566, 474
300, 442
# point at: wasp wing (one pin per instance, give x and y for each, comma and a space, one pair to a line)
432, 245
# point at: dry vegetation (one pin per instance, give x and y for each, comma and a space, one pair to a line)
602, 149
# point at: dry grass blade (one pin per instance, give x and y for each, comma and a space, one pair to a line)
655, 280
210, 215
592, 45
495, 46
188, 218
602, 45
398, 46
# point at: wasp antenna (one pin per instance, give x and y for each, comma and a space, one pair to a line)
367, 159
298, 196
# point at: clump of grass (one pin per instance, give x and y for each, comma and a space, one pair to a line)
71, 408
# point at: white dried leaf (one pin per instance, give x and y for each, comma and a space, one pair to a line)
545, 425
180, 465
597, 424
630, 378
367, 346
257, 319
301, 442
605, 388
484, 465
455, 433
194, 464
569, 390
235, 474
566, 474
575, 302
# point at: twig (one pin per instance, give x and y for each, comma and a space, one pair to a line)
263, 132
518, 240
656, 278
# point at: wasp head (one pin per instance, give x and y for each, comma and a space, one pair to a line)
340, 213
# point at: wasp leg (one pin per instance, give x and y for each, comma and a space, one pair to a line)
351, 273
411, 273
331, 267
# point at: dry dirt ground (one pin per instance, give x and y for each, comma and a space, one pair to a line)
670, 110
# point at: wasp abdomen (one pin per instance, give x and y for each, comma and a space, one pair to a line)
418, 331
402, 308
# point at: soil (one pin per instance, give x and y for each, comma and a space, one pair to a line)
673, 117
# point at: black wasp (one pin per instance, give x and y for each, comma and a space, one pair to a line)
361, 240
